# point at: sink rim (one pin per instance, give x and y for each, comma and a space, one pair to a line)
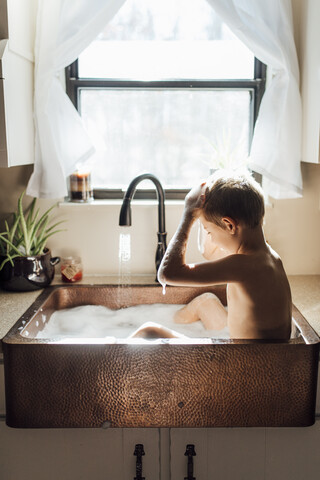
307, 334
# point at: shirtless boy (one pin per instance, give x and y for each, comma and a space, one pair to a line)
231, 210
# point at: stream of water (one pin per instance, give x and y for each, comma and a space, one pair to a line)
124, 294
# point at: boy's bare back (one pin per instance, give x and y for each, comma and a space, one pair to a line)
259, 306
258, 292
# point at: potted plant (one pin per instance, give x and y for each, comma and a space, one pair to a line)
25, 261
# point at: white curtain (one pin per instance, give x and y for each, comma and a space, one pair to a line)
265, 27
64, 29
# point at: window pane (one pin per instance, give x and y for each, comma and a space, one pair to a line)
166, 39
178, 135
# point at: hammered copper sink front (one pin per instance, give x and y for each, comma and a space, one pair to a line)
202, 383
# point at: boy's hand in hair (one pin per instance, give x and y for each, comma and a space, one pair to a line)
195, 200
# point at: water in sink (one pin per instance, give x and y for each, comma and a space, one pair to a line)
95, 321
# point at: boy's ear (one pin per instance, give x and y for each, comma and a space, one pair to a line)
230, 224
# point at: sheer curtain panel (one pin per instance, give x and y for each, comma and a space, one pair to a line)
64, 29
266, 28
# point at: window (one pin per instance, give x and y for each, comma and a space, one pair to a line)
167, 89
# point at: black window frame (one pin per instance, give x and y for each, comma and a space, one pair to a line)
255, 86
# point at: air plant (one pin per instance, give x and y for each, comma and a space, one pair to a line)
28, 234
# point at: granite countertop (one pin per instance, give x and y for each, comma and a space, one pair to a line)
305, 291
305, 295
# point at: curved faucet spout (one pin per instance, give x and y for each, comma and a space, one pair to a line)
125, 212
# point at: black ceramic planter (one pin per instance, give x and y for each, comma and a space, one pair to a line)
28, 273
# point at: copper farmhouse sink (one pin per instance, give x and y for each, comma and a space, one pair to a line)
169, 383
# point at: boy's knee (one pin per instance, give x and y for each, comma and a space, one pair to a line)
208, 296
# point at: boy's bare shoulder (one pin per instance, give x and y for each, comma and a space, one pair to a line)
272, 261
252, 265
238, 267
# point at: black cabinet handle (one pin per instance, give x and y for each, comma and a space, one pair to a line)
139, 452
190, 453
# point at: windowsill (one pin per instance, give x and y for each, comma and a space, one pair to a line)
118, 202
115, 202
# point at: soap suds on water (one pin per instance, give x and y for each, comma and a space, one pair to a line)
96, 321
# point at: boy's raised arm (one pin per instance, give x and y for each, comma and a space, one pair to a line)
174, 270
174, 258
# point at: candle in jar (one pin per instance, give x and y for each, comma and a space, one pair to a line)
80, 189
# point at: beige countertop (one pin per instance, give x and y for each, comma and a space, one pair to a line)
305, 295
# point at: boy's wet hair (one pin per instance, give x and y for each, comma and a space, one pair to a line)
239, 197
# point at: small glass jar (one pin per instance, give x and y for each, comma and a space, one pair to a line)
80, 189
71, 269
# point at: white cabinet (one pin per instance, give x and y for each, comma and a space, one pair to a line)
76, 454
221, 453
248, 454
310, 79
293, 453
150, 439
65, 454
179, 439
17, 29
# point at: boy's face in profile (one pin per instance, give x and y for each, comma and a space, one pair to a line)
217, 236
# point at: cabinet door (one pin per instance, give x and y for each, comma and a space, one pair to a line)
67, 454
76, 454
179, 439
17, 31
149, 437
293, 453
16, 109
221, 453
310, 77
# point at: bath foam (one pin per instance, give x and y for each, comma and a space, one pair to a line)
95, 321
